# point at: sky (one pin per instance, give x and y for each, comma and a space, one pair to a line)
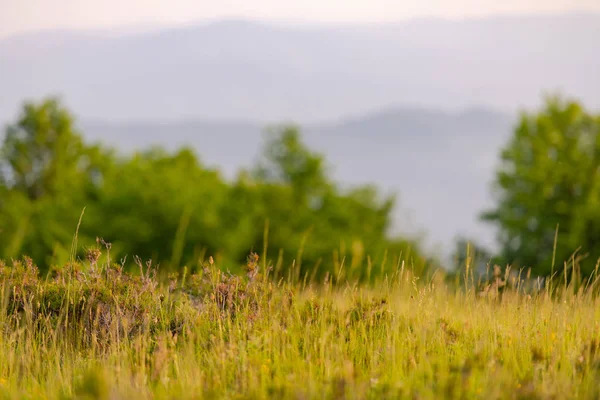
18, 16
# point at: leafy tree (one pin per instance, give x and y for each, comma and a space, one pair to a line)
307, 210
48, 173
160, 206
42, 154
286, 160
549, 178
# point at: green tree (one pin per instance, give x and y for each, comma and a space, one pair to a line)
334, 229
286, 160
549, 178
160, 206
48, 175
42, 154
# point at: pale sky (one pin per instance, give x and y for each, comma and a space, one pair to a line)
33, 15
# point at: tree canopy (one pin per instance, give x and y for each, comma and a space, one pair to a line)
548, 189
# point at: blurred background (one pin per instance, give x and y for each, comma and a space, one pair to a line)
358, 132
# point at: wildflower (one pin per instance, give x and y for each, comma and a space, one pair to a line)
252, 265
92, 255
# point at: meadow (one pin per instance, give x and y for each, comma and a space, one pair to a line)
96, 329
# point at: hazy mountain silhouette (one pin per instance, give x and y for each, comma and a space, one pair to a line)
440, 164
260, 71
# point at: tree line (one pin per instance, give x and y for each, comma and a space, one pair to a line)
171, 208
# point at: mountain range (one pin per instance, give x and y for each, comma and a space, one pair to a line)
267, 72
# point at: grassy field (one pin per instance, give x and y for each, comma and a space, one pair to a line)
91, 331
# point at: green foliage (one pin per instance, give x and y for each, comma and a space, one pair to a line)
549, 179
306, 207
164, 205
48, 175
41, 151
289, 162
170, 208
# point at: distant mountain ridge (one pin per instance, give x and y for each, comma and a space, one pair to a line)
267, 72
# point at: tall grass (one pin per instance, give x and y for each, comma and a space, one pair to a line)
91, 331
